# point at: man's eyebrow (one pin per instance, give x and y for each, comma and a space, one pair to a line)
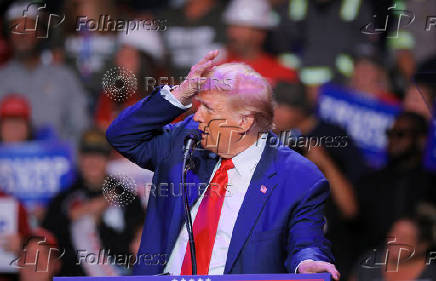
203, 102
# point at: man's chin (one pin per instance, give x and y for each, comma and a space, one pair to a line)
207, 143
204, 142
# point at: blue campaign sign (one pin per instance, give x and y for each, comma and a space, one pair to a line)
364, 118
35, 171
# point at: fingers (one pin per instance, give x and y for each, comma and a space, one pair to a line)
209, 57
332, 270
318, 267
193, 82
205, 64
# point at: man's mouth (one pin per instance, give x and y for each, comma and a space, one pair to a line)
204, 132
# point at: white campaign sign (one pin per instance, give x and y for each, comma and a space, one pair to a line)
8, 225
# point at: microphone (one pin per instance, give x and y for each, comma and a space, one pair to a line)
191, 141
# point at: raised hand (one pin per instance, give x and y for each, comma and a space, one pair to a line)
191, 86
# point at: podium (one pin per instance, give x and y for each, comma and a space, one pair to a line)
227, 277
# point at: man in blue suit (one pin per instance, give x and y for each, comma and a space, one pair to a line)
256, 205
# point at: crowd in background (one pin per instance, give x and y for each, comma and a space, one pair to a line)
51, 89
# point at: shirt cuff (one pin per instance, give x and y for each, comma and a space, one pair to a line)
296, 269
166, 94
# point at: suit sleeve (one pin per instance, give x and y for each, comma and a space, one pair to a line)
306, 237
142, 132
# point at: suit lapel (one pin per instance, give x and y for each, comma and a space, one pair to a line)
253, 204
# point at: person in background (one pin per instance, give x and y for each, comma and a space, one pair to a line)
394, 191
81, 217
247, 24
318, 37
15, 119
13, 242
420, 96
141, 53
412, 44
293, 111
420, 99
43, 246
5, 51
370, 78
88, 48
405, 255
54, 92
16, 127
334, 153
191, 31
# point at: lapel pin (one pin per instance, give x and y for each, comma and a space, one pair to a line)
263, 189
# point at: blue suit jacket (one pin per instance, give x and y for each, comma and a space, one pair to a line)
274, 231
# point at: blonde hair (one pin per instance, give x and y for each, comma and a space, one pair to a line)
250, 93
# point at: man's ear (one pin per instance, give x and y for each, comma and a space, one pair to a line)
247, 121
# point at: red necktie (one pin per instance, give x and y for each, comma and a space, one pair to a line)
206, 221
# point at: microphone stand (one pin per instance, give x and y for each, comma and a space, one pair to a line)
188, 218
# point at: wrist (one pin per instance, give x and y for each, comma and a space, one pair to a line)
180, 96
301, 266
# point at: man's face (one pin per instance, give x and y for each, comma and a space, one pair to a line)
128, 58
25, 43
219, 122
368, 78
286, 117
46, 258
14, 129
417, 99
406, 240
402, 139
93, 167
243, 38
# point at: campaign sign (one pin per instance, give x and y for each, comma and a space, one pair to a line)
364, 118
8, 226
35, 171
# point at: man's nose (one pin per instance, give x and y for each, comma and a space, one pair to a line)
197, 116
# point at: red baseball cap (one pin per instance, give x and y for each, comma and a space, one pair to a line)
15, 105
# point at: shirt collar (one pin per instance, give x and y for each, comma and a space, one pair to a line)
246, 161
